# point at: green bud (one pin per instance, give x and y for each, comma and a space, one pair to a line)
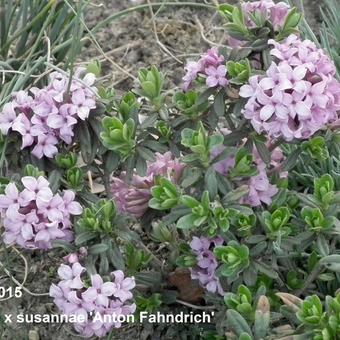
161, 233
242, 302
164, 129
239, 72
311, 311
244, 164
118, 136
295, 279
151, 82
324, 189
316, 148
316, 221
66, 161
201, 211
235, 259
277, 221
244, 223
188, 104
165, 195
200, 143
150, 304
128, 106
100, 217
95, 68
226, 11
75, 178
186, 261
31, 170
136, 259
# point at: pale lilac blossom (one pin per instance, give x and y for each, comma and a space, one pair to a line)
206, 266
33, 217
111, 297
299, 94
211, 65
276, 13
133, 198
47, 116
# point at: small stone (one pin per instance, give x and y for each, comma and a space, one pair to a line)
33, 335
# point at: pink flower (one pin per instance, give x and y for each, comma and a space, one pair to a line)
224, 165
275, 13
122, 286
28, 131
211, 65
216, 76
7, 118
71, 275
99, 291
192, 68
70, 205
36, 188
165, 165
260, 190
46, 146
212, 58
12, 197
133, 198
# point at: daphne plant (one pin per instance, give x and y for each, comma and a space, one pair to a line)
234, 258
189, 104
151, 82
324, 189
277, 222
165, 195
316, 148
213, 196
118, 136
99, 217
242, 301
200, 144
239, 71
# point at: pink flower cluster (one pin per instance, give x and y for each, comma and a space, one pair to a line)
34, 216
299, 94
91, 302
211, 65
275, 13
45, 117
207, 264
268, 10
134, 198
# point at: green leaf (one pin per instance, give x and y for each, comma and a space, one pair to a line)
186, 222
237, 323
84, 237
219, 103
265, 269
211, 182
98, 248
263, 151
